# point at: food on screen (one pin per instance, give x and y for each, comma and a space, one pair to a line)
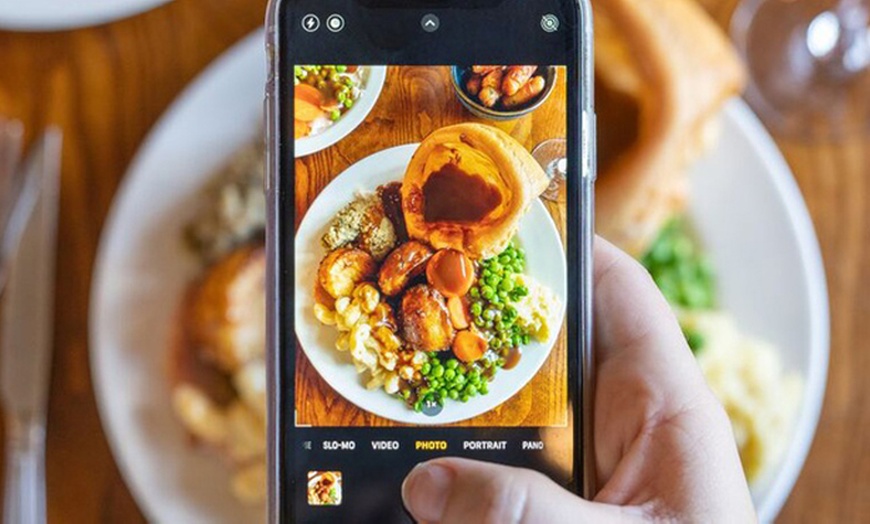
504, 87
323, 94
423, 279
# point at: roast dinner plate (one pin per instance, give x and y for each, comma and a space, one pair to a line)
49, 15
545, 262
745, 206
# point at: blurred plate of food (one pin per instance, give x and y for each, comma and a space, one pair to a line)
710, 207
402, 282
330, 101
50, 15
715, 215
145, 269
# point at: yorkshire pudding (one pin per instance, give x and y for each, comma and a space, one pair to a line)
663, 71
467, 188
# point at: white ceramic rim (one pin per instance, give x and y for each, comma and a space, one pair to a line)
31, 15
808, 244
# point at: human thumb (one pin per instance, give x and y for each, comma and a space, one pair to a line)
454, 490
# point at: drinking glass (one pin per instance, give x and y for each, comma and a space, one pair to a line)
809, 64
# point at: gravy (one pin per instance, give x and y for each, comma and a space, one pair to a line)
452, 195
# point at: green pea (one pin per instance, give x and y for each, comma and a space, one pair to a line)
503, 295
488, 293
476, 308
500, 362
452, 363
348, 103
489, 314
493, 281
471, 390
526, 339
486, 273
484, 388
335, 115
474, 292
450, 374
425, 368
479, 322
495, 299
453, 394
406, 393
418, 406
341, 68
495, 343
464, 397
438, 371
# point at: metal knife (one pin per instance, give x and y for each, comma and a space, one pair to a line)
27, 327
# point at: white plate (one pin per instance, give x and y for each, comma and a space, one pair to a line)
745, 203
545, 262
372, 86
753, 221
49, 15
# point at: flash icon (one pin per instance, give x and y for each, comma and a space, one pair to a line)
310, 23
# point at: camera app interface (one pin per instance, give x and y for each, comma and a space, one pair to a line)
430, 277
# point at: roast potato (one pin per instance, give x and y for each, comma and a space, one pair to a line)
425, 320
402, 265
225, 311
341, 270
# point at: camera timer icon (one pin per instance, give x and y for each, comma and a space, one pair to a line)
550, 23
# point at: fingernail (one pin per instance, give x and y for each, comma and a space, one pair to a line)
425, 491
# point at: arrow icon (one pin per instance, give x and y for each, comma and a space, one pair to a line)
430, 23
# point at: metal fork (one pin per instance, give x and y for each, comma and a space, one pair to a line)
28, 220
18, 193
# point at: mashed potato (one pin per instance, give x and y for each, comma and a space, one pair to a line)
537, 311
747, 376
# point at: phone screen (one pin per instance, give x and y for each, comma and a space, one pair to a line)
430, 200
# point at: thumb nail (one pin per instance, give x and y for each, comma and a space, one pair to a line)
425, 491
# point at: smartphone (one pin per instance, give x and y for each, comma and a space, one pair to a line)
430, 186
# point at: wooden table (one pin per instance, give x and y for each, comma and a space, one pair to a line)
543, 401
106, 87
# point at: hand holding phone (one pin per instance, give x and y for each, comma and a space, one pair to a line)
659, 432
429, 246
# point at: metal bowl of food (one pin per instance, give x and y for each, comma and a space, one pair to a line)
503, 92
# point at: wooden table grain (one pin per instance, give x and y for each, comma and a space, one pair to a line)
415, 102
106, 86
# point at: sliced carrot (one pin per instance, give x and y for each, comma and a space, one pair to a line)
458, 316
307, 112
468, 346
301, 129
308, 93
